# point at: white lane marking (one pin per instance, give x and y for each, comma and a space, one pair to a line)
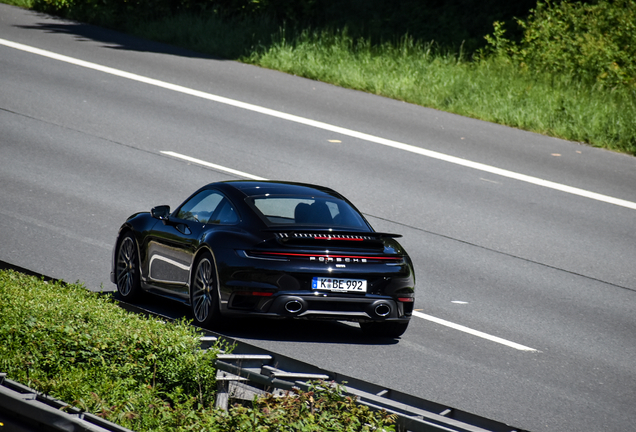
214, 166
327, 127
473, 332
415, 313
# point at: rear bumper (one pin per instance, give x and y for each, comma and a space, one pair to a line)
324, 306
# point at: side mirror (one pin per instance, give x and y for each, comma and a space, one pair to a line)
161, 212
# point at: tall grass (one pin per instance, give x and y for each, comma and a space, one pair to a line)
491, 88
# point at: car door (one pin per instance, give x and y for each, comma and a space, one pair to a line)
174, 242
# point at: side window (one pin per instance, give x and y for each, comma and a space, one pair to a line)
208, 206
224, 214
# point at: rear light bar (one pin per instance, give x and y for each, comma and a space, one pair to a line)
325, 257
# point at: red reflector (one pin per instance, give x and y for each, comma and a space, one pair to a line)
254, 293
406, 299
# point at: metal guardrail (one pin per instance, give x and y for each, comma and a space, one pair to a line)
44, 414
250, 371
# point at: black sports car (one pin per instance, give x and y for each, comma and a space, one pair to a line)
269, 249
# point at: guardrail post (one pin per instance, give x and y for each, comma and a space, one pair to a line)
222, 391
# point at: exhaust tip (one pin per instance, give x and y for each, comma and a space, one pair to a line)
382, 310
293, 306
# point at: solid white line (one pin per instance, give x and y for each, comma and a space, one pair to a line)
327, 127
474, 332
214, 166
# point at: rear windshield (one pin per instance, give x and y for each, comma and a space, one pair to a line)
308, 211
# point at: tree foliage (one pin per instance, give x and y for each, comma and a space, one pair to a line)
451, 23
593, 43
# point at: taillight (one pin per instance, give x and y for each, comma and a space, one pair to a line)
326, 257
406, 299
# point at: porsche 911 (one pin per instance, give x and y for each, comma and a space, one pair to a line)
267, 249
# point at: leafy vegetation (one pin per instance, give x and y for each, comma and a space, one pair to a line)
143, 373
565, 69
593, 43
451, 23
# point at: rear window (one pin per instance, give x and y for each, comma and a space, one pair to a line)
308, 211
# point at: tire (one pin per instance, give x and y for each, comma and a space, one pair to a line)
127, 272
204, 298
384, 329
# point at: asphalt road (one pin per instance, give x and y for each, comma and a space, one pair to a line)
528, 261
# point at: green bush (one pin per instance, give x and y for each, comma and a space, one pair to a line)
594, 43
79, 347
451, 24
111, 13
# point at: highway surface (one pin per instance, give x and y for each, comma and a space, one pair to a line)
524, 246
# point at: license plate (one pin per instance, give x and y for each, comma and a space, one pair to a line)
339, 285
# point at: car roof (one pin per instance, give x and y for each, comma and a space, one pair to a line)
255, 188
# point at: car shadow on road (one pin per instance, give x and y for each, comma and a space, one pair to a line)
287, 330
291, 330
